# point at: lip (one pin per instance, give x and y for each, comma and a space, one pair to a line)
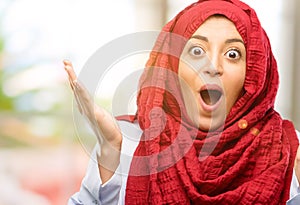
206, 107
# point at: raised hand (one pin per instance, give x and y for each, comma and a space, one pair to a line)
103, 124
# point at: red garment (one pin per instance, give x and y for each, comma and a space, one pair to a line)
250, 161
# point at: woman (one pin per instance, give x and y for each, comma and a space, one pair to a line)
207, 134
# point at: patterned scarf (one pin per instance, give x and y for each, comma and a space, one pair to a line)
249, 161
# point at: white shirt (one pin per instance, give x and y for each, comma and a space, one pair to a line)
92, 190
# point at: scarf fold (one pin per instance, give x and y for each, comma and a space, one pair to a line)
250, 161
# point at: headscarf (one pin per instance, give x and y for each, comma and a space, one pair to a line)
249, 161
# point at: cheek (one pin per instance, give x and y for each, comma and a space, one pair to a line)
186, 74
234, 89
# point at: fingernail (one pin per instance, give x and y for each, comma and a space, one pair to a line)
65, 61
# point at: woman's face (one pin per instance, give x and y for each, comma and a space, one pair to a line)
212, 71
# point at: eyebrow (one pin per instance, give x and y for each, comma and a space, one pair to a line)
231, 40
203, 38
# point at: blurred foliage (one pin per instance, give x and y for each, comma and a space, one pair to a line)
40, 112
32, 127
6, 102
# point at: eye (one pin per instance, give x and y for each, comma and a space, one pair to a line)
196, 51
233, 54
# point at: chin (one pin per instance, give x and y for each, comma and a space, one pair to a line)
210, 125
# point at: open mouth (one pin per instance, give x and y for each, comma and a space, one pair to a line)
210, 97
211, 94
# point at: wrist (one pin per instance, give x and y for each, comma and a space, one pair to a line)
109, 156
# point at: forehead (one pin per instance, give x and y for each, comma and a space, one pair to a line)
219, 26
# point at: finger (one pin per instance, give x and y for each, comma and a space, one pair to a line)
71, 73
71, 84
84, 100
79, 106
66, 61
83, 94
82, 97
99, 120
70, 70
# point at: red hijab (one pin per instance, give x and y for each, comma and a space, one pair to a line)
249, 161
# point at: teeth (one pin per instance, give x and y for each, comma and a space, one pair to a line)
210, 97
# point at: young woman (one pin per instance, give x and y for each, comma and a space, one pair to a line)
205, 131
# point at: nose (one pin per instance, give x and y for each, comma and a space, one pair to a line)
213, 67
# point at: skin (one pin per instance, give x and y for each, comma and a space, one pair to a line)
104, 125
225, 66
211, 57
